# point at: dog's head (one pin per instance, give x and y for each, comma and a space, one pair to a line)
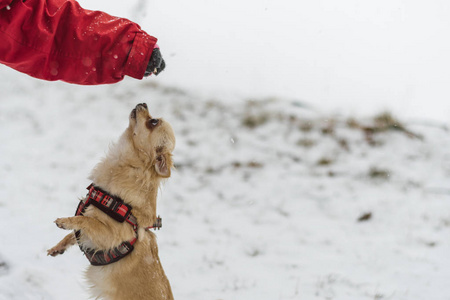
152, 138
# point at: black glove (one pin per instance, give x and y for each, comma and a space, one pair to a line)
156, 64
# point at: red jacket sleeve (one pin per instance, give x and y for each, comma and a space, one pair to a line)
59, 40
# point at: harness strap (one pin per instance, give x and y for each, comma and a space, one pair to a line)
111, 205
116, 209
101, 258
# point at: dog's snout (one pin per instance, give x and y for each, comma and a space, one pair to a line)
143, 105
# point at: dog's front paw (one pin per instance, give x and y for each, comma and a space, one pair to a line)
62, 246
56, 251
63, 223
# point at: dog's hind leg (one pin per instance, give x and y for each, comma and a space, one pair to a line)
61, 247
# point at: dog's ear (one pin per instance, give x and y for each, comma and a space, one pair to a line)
163, 164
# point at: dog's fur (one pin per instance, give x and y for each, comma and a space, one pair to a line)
132, 170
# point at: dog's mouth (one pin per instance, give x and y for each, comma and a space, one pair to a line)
139, 106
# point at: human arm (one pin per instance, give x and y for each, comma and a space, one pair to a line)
59, 40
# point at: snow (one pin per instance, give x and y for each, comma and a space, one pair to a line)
271, 176
250, 213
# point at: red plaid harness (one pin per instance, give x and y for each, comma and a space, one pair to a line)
118, 210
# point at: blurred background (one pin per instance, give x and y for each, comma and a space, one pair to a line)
340, 56
312, 157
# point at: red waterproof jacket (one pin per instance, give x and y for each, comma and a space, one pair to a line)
59, 40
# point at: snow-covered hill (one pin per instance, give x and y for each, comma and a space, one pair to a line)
270, 199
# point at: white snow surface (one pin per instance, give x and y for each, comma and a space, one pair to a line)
264, 203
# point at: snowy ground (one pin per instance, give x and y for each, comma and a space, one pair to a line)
264, 204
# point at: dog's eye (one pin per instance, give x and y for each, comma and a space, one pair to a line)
151, 123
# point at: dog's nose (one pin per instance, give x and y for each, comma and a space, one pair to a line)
143, 104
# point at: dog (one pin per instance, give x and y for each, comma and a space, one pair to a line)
128, 177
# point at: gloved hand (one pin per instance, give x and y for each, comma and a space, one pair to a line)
156, 64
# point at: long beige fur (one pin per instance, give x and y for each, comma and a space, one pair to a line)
132, 170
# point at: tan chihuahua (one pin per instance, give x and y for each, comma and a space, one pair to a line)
113, 232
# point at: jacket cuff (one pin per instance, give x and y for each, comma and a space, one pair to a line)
139, 56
